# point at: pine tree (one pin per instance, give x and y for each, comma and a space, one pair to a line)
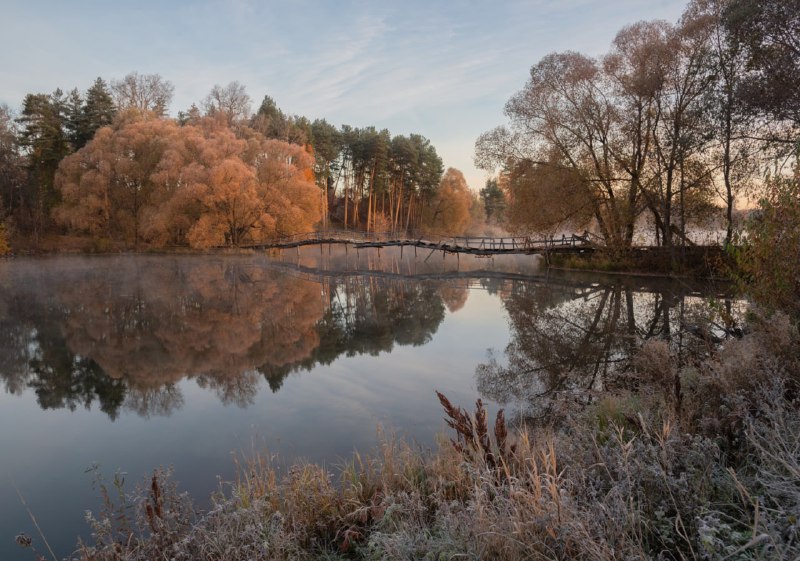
99, 110
43, 134
74, 119
190, 117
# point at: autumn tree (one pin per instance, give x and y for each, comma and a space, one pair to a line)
770, 259
547, 197
646, 130
231, 206
145, 92
564, 118
285, 177
769, 32
554, 171
107, 186
231, 100
241, 189
152, 180
449, 211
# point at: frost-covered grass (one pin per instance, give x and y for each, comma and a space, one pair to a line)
707, 466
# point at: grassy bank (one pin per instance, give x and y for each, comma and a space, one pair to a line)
702, 462
694, 261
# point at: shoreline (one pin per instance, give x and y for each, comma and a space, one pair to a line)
609, 269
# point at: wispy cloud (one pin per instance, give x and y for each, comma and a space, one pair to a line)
436, 67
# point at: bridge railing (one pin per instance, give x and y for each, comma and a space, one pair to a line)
469, 242
519, 242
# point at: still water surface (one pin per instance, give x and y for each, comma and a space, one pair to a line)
134, 362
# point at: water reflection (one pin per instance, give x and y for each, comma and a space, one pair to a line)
573, 338
123, 334
138, 338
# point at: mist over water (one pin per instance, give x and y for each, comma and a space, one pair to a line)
134, 362
407, 261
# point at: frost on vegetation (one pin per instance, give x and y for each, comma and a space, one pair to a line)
659, 482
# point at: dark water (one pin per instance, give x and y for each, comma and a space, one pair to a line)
134, 362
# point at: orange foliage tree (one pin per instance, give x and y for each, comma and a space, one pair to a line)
107, 186
449, 212
149, 179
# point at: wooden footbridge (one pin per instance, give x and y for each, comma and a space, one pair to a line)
480, 246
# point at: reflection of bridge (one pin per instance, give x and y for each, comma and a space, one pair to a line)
469, 245
584, 283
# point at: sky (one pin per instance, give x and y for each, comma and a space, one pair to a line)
443, 69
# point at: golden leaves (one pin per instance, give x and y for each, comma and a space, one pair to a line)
151, 180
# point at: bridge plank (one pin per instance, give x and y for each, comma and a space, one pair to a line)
485, 247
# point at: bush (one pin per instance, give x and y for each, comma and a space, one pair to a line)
5, 248
770, 260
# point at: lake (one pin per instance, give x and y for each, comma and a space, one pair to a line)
132, 362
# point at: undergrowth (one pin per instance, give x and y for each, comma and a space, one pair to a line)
706, 467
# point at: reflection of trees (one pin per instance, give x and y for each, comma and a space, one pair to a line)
201, 318
238, 390
34, 354
368, 315
69, 381
125, 332
570, 342
454, 296
129, 332
365, 315
158, 401
16, 349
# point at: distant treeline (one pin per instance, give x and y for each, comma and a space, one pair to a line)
110, 163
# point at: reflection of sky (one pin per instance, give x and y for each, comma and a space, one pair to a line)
320, 415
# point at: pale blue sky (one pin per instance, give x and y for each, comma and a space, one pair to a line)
441, 69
